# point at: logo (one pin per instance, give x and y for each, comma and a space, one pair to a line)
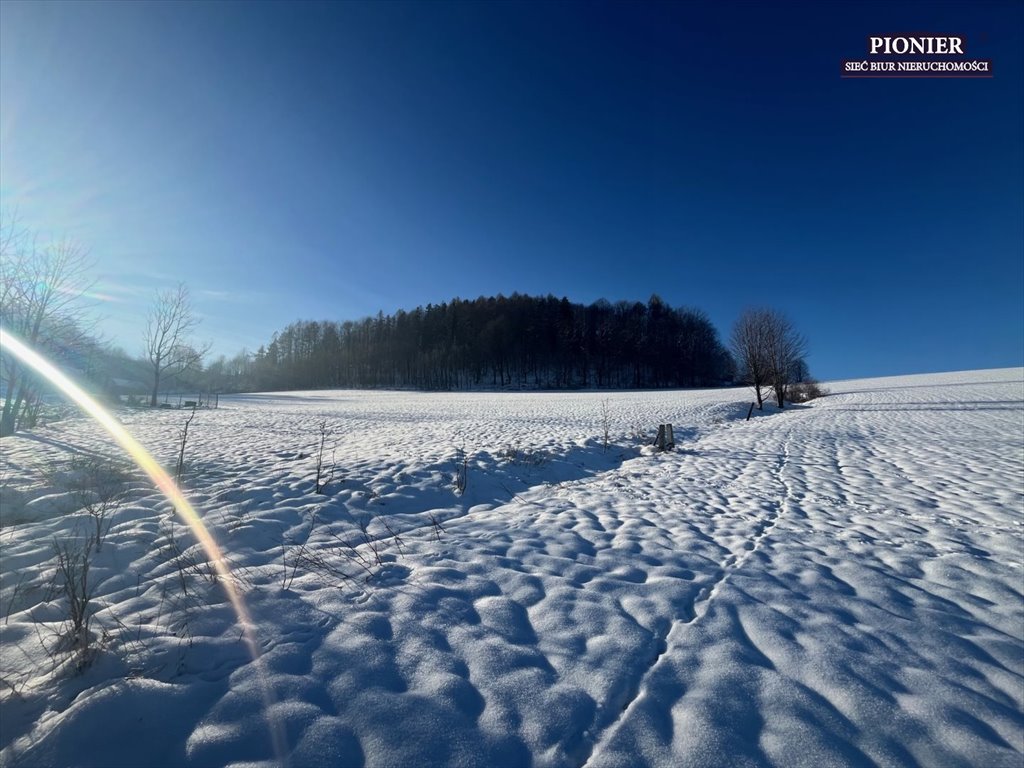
939, 56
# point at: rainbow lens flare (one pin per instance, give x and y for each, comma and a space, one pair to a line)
170, 489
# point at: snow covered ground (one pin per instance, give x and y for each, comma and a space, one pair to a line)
837, 584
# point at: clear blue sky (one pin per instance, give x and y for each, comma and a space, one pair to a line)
329, 161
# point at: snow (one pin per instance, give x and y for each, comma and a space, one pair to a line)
840, 583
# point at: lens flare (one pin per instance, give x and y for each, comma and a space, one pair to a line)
169, 488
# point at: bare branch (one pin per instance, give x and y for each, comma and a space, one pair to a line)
41, 288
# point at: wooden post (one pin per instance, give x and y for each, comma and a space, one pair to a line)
665, 441
750, 411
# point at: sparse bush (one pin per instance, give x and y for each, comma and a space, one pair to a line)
396, 540
98, 485
179, 469
527, 457
640, 433
15, 593
345, 554
292, 560
102, 492
436, 525
323, 476
806, 390
188, 561
74, 557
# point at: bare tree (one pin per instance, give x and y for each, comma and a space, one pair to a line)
40, 301
168, 327
749, 346
784, 351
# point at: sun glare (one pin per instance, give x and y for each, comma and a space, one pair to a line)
169, 488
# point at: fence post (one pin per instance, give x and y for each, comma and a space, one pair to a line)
665, 441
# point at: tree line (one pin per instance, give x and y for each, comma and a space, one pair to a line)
517, 341
514, 342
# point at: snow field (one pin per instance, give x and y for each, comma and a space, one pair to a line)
837, 584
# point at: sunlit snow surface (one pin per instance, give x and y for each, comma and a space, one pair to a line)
838, 584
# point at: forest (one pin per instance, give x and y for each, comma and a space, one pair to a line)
496, 342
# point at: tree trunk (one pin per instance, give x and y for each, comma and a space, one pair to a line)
156, 388
7, 418
7, 423
13, 416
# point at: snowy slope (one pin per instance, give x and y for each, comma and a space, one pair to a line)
836, 584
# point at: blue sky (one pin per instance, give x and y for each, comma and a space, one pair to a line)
307, 161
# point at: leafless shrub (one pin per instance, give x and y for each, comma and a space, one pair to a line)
174, 553
639, 433
345, 555
179, 469
374, 544
189, 561
436, 525
15, 593
68, 643
101, 486
395, 538
74, 557
88, 625
803, 391
323, 475
185, 640
296, 557
332, 559
527, 457
326, 563
16, 686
